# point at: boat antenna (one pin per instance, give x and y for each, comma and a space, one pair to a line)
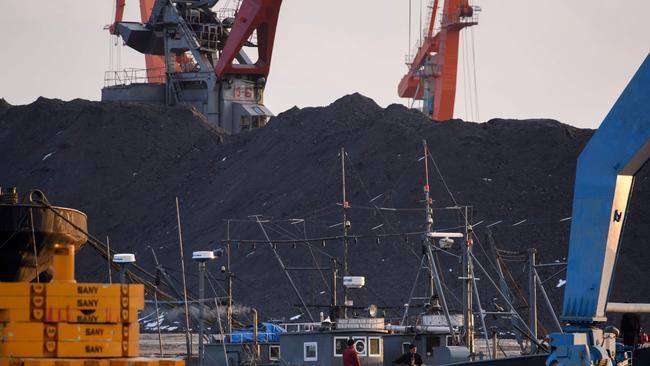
230, 275
346, 228
188, 340
108, 251
155, 299
468, 273
427, 197
437, 299
433, 297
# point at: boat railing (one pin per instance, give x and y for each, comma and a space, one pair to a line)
300, 327
243, 338
134, 76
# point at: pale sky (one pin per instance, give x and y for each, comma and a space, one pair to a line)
562, 59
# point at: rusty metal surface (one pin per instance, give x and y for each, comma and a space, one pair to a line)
17, 260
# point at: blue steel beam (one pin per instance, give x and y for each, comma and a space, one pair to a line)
604, 179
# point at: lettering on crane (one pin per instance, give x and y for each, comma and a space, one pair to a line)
94, 331
87, 318
617, 216
94, 349
86, 303
83, 290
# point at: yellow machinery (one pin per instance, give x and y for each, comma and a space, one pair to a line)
65, 323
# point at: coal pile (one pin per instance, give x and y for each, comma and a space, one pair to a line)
124, 164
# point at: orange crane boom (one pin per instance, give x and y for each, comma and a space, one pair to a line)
154, 64
432, 72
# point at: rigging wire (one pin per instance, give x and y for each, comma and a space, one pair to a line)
415, 282
217, 300
441, 276
277, 256
313, 256
451, 195
420, 29
466, 98
554, 275
408, 50
467, 61
401, 176
478, 116
505, 298
31, 224
309, 246
379, 212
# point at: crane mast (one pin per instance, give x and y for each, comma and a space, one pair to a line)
197, 56
432, 71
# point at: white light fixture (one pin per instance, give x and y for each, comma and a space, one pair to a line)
124, 258
446, 243
203, 255
354, 281
434, 234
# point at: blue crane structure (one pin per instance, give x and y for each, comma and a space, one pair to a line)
604, 179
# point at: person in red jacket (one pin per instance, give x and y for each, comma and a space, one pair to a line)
350, 357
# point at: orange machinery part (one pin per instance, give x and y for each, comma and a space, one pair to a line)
63, 263
445, 88
66, 319
154, 64
445, 43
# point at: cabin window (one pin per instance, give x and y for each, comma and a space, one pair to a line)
245, 123
310, 351
405, 347
374, 346
274, 353
360, 345
340, 344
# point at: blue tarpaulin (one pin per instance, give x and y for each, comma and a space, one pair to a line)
266, 332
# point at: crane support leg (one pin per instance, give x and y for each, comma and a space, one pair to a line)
604, 180
260, 15
605, 173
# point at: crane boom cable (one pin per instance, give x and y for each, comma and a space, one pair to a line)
478, 116
408, 49
467, 99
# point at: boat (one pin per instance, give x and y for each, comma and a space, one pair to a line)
441, 336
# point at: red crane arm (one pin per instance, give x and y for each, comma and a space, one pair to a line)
432, 24
260, 15
441, 69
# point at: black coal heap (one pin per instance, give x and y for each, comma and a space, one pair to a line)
124, 164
